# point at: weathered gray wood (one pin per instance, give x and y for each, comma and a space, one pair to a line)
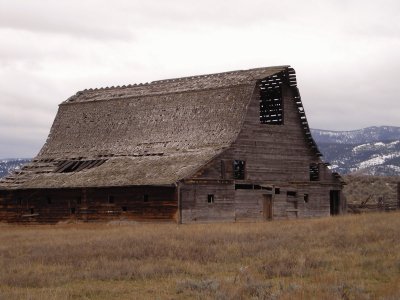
165, 151
275, 155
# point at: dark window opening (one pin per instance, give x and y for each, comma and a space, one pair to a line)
210, 198
110, 199
271, 104
124, 208
32, 210
72, 210
247, 186
306, 198
48, 200
291, 193
145, 198
78, 200
277, 191
314, 172
243, 186
334, 202
239, 169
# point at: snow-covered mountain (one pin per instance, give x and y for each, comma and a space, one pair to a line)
357, 137
7, 165
370, 151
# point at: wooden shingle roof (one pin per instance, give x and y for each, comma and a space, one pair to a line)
146, 134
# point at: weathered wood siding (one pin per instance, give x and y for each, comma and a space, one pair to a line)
195, 206
278, 158
89, 204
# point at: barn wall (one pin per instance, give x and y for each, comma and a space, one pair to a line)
310, 200
195, 206
276, 156
90, 204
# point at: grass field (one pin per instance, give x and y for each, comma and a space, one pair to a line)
350, 257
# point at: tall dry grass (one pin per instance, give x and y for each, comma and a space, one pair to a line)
351, 257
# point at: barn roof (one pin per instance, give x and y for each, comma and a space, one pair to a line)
146, 134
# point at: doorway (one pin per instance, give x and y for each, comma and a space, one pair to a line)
334, 202
267, 207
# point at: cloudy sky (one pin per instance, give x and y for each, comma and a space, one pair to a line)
346, 54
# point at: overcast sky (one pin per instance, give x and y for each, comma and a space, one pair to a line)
346, 54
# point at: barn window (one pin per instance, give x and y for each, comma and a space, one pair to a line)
210, 198
306, 198
32, 211
277, 191
72, 210
243, 186
239, 169
291, 193
110, 199
124, 208
314, 172
145, 198
271, 104
247, 186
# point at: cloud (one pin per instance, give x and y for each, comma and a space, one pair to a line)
89, 19
345, 54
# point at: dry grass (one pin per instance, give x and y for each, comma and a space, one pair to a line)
352, 257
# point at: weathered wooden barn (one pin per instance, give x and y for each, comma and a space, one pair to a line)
221, 147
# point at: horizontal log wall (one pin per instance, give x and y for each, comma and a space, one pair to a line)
90, 204
195, 206
247, 204
275, 155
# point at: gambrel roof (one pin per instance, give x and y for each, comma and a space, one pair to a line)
147, 134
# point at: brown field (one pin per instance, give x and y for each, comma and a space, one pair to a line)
350, 257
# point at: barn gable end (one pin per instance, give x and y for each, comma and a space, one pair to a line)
174, 149
283, 174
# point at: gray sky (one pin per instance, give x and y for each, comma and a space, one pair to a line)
346, 54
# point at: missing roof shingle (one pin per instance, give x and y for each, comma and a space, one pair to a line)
68, 166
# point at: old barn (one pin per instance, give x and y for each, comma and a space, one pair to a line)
232, 146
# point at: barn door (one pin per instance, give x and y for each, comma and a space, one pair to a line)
334, 202
267, 207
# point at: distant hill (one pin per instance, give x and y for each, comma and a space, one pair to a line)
357, 137
368, 151
8, 165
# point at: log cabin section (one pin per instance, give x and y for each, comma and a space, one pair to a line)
231, 146
273, 170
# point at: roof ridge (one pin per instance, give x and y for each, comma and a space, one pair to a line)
172, 80
215, 74
178, 79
